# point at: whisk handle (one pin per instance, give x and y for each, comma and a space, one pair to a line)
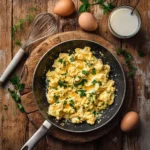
12, 65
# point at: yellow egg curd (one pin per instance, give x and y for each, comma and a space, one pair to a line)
79, 87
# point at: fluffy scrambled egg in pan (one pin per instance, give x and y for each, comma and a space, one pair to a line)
79, 87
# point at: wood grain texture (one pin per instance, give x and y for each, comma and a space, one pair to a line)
28, 99
13, 134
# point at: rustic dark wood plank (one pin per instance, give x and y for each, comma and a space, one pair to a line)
12, 122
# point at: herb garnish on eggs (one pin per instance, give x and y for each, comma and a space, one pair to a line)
82, 83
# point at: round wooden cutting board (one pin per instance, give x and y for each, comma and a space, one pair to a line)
27, 96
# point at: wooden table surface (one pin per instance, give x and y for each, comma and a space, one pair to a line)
15, 128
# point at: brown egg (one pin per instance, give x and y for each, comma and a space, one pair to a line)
87, 22
64, 8
129, 121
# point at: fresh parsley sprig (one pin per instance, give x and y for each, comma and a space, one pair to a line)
20, 24
15, 94
85, 7
128, 59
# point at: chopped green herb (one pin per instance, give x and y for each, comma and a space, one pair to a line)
94, 82
93, 71
5, 107
31, 9
20, 87
17, 42
72, 104
128, 58
48, 80
94, 113
79, 118
64, 73
71, 101
89, 64
55, 96
100, 83
141, 53
20, 107
83, 81
60, 60
84, 72
81, 92
30, 17
85, 7
103, 103
72, 59
15, 94
14, 80
64, 63
56, 88
57, 101
62, 83
65, 102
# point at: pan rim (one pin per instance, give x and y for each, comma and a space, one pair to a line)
85, 131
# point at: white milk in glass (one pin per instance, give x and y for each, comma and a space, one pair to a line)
124, 24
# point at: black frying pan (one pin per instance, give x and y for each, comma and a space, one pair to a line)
39, 88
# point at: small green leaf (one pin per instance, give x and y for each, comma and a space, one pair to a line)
65, 102
83, 81
72, 59
57, 101
60, 60
100, 83
32, 9
103, 104
85, 7
20, 87
30, 17
62, 83
14, 80
94, 82
18, 42
141, 54
20, 107
81, 92
84, 72
93, 71
118, 51
14, 95
94, 113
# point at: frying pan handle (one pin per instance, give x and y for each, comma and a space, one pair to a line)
41, 132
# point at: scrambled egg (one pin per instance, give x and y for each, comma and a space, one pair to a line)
78, 88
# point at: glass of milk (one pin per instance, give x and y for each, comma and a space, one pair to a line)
122, 23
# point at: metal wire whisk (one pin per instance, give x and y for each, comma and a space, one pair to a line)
44, 25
